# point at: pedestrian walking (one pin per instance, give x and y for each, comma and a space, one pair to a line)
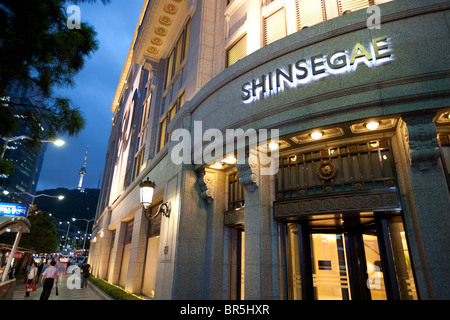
32, 278
86, 268
48, 279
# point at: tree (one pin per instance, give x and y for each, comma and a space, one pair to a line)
42, 236
39, 51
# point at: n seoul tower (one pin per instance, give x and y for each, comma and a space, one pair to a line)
83, 171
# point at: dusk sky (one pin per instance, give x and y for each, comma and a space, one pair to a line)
93, 94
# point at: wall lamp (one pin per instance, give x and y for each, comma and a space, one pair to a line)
146, 197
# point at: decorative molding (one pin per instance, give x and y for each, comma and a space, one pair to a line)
326, 170
248, 173
206, 183
234, 217
387, 200
421, 141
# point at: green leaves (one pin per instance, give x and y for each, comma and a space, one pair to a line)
39, 51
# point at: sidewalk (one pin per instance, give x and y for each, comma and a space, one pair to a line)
89, 293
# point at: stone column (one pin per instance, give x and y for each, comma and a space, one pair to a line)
104, 247
429, 199
138, 251
260, 234
116, 256
104, 250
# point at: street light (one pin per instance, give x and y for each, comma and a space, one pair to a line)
59, 197
67, 234
57, 142
147, 190
87, 226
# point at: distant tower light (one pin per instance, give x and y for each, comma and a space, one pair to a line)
83, 171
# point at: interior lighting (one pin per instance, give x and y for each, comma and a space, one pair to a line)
273, 146
216, 165
316, 135
372, 125
230, 160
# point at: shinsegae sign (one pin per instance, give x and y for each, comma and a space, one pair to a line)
13, 209
304, 71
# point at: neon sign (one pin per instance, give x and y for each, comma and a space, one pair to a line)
13, 209
304, 71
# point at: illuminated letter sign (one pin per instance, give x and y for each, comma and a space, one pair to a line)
304, 71
13, 209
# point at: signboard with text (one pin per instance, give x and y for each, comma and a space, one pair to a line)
13, 209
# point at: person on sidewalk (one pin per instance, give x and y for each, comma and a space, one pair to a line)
86, 268
50, 275
32, 277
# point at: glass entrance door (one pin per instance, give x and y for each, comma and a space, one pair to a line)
336, 272
343, 257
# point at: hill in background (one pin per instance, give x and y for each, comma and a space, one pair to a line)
76, 204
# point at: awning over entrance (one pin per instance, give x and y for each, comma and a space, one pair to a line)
14, 224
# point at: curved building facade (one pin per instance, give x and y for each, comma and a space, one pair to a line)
303, 147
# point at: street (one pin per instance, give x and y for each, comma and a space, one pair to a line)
64, 292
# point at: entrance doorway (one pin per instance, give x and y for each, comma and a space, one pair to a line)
358, 256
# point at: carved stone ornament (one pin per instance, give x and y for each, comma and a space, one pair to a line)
326, 170
248, 173
420, 137
386, 200
206, 183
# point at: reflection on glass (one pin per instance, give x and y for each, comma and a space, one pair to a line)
295, 285
402, 261
330, 273
242, 264
375, 281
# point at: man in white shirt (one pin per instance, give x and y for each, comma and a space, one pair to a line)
50, 274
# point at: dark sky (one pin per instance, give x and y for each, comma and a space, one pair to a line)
93, 94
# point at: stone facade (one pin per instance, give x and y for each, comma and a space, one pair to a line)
404, 86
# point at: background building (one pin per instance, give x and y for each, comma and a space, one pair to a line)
358, 206
27, 159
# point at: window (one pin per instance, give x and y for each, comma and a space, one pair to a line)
164, 136
309, 13
237, 51
138, 161
275, 26
178, 54
145, 112
346, 6
235, 192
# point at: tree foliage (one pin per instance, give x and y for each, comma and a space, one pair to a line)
39, 51
42, 237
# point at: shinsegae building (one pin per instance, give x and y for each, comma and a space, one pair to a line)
292, 149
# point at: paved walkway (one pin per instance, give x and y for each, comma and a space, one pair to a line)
89, 293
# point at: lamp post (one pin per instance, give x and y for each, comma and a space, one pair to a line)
59, 197
57, 142
146, 197
19, 233
67, 234
87, 226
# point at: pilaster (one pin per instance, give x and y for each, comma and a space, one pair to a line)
117, 253
138, 249
429, 199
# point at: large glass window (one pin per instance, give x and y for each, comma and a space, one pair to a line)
237, 51
309, 12
346, 6
178, 54
275, 26
176, 105
349, 256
